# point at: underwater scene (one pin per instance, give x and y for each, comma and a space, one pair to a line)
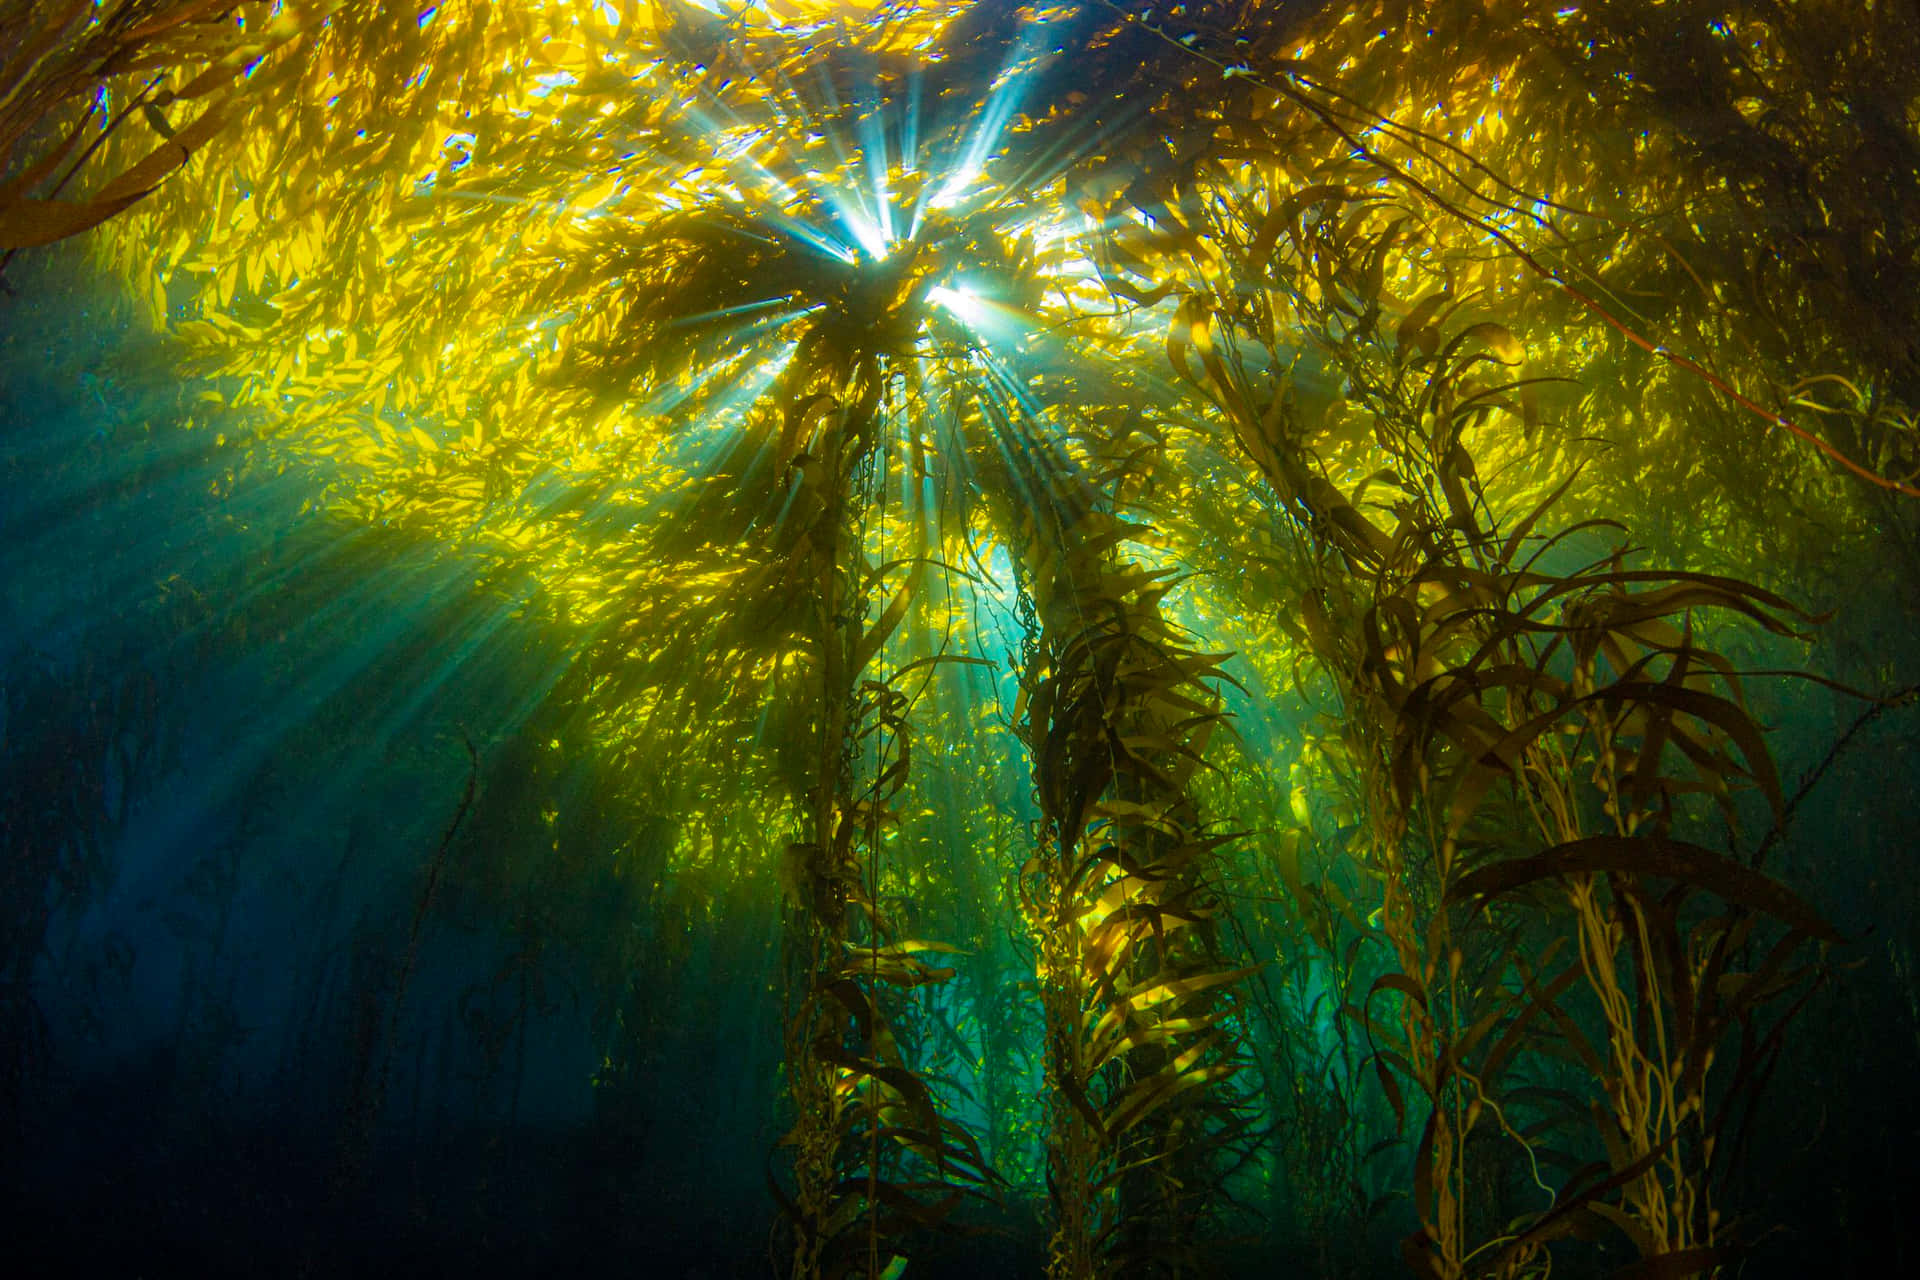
857, 639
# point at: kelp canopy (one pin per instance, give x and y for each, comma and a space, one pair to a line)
1172, 612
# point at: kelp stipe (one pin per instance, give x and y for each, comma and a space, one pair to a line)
873, 1157
1144, 1043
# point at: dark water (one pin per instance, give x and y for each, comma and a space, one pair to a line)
235, 745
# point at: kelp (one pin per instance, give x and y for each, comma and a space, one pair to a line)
1143, 1037
1471, 663
179, 66
859, 1107
875, 1158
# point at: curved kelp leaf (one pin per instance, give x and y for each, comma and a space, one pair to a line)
1664, 856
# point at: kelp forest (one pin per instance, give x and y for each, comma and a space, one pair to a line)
846, 639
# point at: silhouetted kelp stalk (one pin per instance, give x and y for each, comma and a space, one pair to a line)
873, 1158
1142, 1031
876, 1159
377, 1023
873, 1149
1784, 816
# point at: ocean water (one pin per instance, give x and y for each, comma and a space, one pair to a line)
370, 906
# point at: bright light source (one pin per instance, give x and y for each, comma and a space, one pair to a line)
965, 305
869, 234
